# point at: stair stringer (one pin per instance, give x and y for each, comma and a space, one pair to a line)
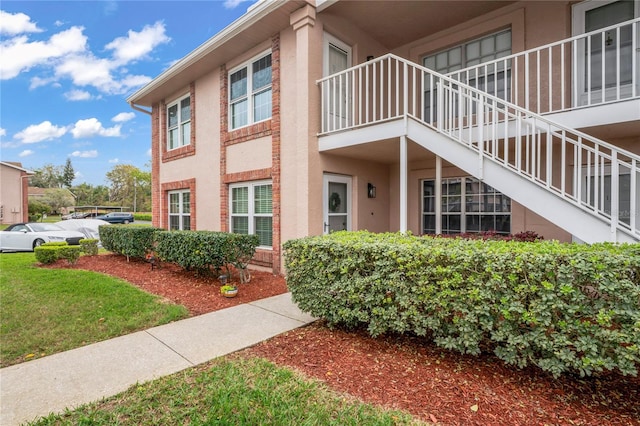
563, 213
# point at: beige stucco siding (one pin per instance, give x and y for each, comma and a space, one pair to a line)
12, 189
251, 155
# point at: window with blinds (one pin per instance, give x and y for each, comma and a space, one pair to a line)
252, 210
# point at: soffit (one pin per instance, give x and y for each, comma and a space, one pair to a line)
396, 23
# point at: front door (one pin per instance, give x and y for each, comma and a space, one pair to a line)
336, 196
337, 58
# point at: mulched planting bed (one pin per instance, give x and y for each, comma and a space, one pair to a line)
402, 372
198, 294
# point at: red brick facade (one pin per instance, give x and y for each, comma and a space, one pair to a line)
269, 258
271, 128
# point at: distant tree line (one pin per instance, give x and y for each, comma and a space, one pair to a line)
128, 187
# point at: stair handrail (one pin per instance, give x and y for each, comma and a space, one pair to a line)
396, 102
507, 62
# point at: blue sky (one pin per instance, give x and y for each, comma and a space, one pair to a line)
66, 68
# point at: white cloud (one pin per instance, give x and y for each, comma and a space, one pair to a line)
26, 153
3, 132
87, 70
232, 4
58, 23
137, 45
18, 54
149, 152
40, 132
77, 95
92, 127
78, 174
123, 116
18, 23
114, 160
85, 154
67, 54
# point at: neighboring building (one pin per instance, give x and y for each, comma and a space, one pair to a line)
14, 203
62, 200
304, 117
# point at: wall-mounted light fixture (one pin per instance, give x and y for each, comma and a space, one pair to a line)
370, 58
371, 190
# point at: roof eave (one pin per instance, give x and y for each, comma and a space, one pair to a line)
253, 15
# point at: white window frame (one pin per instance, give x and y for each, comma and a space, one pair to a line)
251, 215
182, 123
250, 93
462, 213
181, 211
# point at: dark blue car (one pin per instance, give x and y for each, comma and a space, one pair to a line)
117, 217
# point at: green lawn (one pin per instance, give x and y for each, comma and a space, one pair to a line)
230, 391
44, 311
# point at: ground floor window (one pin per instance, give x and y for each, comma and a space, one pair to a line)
180, 210
468, 205
252, 210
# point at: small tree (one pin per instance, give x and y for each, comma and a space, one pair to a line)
37, 209
68, 174
57, 198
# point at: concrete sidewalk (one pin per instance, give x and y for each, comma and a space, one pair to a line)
68, 379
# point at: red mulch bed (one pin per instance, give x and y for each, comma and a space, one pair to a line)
198, 294
401, 372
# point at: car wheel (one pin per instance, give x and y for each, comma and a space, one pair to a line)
38, 242
126, 222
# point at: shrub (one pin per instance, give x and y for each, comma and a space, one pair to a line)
128, 240
142, 216
70, 253
46, 254
560, 307
206, 251
89, 246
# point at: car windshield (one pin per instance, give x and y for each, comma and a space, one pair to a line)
40, 227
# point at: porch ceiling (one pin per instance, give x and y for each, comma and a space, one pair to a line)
383, 151
396, 23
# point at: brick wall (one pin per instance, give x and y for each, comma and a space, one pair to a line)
258, 130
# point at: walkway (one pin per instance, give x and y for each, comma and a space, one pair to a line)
68, 379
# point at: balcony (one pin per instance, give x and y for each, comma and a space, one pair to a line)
497, 122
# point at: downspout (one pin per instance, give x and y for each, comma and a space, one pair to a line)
137, 108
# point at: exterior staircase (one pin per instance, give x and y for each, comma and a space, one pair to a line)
583, 184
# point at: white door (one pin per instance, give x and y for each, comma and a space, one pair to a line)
337, 58
605, 61
336, 195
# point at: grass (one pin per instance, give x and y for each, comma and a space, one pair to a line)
45, 311
230, 391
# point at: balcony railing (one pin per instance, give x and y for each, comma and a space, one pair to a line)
589, 69
593, 175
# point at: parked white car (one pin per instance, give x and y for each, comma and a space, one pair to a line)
27, 236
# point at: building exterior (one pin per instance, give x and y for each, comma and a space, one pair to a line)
306, 117
14, 202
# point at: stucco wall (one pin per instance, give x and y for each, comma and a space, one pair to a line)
13, 193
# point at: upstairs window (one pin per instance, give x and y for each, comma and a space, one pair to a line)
179, 123
250, 92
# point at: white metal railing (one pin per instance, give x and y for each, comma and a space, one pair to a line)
597, 67
596, 176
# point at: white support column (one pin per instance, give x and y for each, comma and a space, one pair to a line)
403, 184
438, 195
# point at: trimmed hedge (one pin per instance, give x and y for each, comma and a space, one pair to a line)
48, 253
560, 307
128, 240
206, 251
89, 246
142, 216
